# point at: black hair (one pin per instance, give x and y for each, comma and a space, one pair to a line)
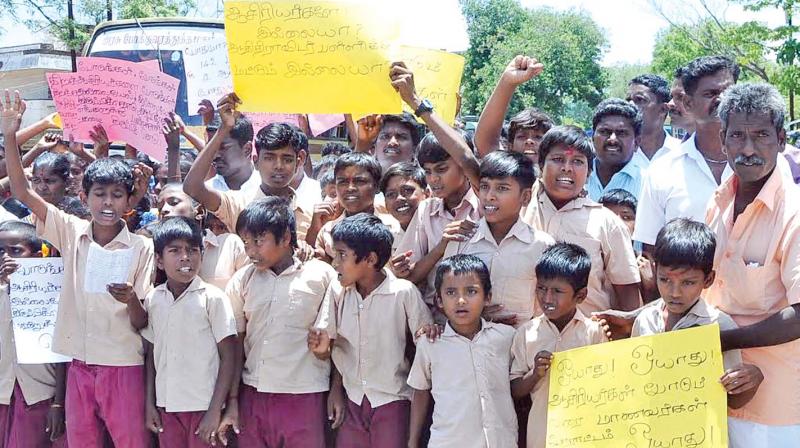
657, 84
326, 162
108, 171
406, 170
360, 160
300, 136
73, 206
242, 130
334, 148
58, 164
189, 154
684, 243
325, 180
430, 151
26, 231
531, 118
364, 233
184, 166
275, 136
177, 228
565, 261
617, 107
271, 215
462, 264
570, 136
678, 73
502, 164
620, 197
706, 66
407, 120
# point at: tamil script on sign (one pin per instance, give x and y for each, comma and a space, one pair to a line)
654, 391
34, 292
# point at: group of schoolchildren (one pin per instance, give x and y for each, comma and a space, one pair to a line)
441, 284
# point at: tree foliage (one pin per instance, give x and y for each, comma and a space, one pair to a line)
569, 44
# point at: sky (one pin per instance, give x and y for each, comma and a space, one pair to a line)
631, 25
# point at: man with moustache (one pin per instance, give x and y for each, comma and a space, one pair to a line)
616, 127
679, 117
651, 95
755, 215
680, 185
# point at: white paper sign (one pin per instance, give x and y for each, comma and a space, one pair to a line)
34, 292
208, 73
104, 267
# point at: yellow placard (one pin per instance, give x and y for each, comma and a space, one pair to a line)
437, 77
654, 391
311, 56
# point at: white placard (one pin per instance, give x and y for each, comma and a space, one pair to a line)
104, 267
208, 73
34, 292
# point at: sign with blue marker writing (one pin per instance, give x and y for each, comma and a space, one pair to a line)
653, 391
34, 292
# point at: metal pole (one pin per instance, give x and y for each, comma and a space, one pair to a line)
72, 52
108, 10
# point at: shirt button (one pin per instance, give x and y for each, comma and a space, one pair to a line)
364, 382
361, 306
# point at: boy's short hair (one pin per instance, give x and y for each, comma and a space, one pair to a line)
531, 118
405, 119
565, 261
502, 164
684, 243
657, 84
360, 160
325, 180
271, 215
326, 162
570, 136
242, 130
364, 233
706, 66
406, 170
302, 138
275, 136
461, 264
619, 197
108, 171
334, 148
177, 228
58, 164
430, 151
73, 206
26, 231
617, 107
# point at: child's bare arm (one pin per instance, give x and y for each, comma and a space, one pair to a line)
458, 231
741, 383
230, 419
25, 134
420, 404
12, 111
152, 417
627, 297
207, 429
337, 409
521, 387
56, 416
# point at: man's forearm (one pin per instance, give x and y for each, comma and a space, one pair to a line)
780, 328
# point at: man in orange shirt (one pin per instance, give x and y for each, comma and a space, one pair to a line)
756, 218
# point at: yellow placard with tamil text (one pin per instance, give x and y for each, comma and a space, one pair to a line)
652, 391
311, 56
437, 77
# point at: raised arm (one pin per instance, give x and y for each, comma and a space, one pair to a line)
13, 109
194, 184
451, 140
23, 135
172, 131
487, 135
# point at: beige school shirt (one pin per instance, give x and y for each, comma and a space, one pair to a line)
540, 334
185, 332
370, 337
597, 230
512, 264
652, 320
425, 231
324, 243
470, 385
223, 255
233, 202
94, 327
275, 312
37, 381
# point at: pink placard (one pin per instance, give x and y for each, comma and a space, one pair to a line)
129, 99
261, 119
320, 123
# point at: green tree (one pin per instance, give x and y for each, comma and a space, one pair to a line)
618, 77
569, 43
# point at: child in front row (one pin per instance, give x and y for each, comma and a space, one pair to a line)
98, 329
466, 370
31, 395
276, 299
562, 277
191, 335
368, 312
684, 257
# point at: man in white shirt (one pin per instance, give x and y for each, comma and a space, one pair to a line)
234, 160
681, 184
651, 95
307, 189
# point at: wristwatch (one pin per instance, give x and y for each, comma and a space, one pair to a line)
424, 106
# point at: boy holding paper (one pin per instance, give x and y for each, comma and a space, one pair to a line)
99, 315
31, 395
